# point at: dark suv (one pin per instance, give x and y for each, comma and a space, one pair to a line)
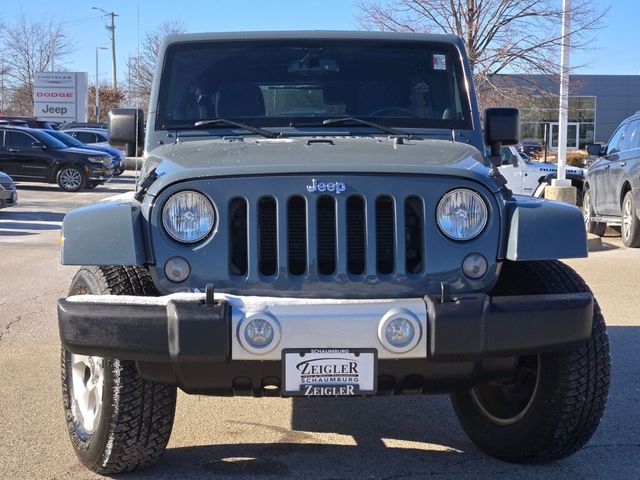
29, 154
612, 188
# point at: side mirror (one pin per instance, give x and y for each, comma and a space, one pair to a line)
126, 128
501, 127
38, 146
595, 149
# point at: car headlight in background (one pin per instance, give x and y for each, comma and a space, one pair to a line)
102, 160
188, 216
462, 214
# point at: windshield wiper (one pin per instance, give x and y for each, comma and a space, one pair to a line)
223, 122
357, 121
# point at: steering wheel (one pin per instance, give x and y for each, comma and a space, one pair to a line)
384, 112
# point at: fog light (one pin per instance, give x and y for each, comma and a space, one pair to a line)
259, 333
399, 330
177, 269
474, 266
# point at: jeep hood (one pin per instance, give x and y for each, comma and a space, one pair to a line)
313, 155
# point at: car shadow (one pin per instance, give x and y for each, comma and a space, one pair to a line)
114, 191
26, 226
32, 216
100, 189
407, 437
14, 233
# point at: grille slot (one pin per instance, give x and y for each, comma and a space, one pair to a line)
306, 236
356, 235
238, 241
413, 234
297, 235
385, 231
326, 235
268, 236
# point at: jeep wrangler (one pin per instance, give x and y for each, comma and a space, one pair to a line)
315, 217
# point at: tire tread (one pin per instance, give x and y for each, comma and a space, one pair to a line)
573, 411
142, 411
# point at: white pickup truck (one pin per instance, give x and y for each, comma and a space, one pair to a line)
527, 177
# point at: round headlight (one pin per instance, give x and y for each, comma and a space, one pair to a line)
188, 216
462, 214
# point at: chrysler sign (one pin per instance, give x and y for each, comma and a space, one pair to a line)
60, 96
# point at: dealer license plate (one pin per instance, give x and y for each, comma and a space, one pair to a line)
329, 372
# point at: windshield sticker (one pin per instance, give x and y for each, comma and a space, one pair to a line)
439, 61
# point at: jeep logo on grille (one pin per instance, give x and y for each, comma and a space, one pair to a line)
332, 187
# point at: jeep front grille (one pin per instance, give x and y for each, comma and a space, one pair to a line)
326, 235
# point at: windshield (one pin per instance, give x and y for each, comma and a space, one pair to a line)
281, 83
67, 139
50, 141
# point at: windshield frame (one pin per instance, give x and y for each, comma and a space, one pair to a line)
451, 49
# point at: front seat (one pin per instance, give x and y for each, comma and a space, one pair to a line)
239, 100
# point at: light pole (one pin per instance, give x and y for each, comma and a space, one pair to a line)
112, 30
97, 86
564, 94
560, 188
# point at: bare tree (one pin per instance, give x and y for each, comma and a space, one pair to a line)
140, 68
30, 46
110, 98
501, 36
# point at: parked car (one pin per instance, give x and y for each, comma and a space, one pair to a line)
371, 253
30, 122
32, 155
100, 136
69, 141
532, 148
70, 125
89, 135
530, 177
8, 193
612, 188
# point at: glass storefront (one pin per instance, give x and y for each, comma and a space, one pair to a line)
540, 120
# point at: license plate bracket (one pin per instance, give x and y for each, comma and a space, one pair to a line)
329, 372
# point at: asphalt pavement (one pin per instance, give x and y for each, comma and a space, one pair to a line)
409, 437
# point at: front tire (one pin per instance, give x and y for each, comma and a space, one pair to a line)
596, 228
630, 230
71, 178
553, 404
117, 421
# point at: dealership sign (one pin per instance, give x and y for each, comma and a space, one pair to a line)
60, 96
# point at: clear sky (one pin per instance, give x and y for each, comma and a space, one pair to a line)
613, 52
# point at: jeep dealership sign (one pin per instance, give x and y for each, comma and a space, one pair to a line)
60, 96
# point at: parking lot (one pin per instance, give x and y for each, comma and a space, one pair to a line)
236, 438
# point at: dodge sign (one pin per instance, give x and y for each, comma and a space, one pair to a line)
60, 96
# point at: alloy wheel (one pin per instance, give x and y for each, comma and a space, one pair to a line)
586, 208
87, 377
627, 212
70, 179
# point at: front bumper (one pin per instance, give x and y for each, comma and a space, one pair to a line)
182, 340
8, 198
100, 174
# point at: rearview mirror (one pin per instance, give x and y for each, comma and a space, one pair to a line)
126, 129
595, 149
501, 127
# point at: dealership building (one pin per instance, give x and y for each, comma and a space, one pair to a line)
597, 105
